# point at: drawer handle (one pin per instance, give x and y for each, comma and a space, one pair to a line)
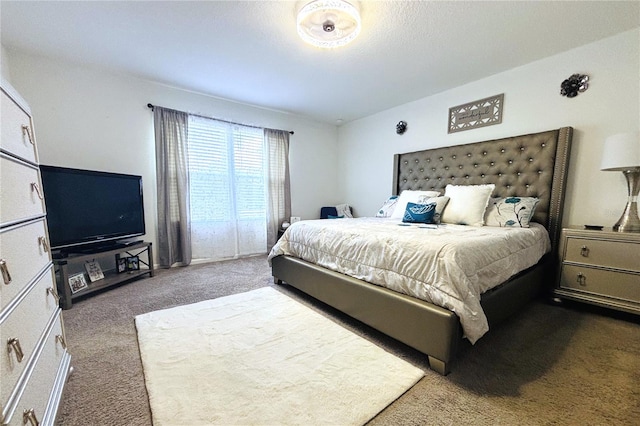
29, 416
43, 242
36, 188
582, 279
14, 345
54, 294
26, 130
60, 339
6, 276
584, 251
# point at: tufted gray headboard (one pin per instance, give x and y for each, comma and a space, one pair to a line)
533, 165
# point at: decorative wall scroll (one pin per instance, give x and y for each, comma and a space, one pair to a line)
480, 113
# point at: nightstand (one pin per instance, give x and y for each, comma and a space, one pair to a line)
601, 268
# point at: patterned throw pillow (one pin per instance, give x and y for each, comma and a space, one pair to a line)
515, 212
412, 196
387, 208
441, 203
419, 213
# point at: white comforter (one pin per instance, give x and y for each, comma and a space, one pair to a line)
449, 266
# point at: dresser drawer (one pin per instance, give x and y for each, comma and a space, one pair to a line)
21, 191
16, 130
614, 284
26, 324
38, 389
612, 254
25, 252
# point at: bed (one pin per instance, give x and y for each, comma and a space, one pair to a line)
533, 165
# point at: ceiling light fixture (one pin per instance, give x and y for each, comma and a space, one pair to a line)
328, 23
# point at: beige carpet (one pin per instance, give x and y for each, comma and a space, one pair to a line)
549, 365
260, 357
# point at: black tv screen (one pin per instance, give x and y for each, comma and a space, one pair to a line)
86, 207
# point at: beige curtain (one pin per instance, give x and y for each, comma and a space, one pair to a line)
278, 184
174, 225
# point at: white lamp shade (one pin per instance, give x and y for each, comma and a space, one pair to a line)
621, 152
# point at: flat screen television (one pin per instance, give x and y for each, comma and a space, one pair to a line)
87, 208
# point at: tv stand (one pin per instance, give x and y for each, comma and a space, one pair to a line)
74, 263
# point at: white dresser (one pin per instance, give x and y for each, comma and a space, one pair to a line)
34, 362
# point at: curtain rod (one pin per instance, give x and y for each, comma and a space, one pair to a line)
217, 119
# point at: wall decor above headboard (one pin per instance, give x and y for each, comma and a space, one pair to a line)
480, 113
574, 84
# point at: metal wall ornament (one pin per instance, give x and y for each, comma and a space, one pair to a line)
574, 84
480, 113
401, 127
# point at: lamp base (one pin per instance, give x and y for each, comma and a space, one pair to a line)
629, 221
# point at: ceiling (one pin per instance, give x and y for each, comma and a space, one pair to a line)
249, 51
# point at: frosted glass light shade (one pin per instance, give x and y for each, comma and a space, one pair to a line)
621, 152
328, 23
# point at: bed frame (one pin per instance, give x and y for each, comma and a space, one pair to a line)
533, 165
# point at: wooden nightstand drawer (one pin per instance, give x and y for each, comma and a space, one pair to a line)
613, 284
612, 254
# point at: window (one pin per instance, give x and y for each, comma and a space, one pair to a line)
228, 195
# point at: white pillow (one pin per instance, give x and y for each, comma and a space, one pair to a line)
440, 202
467, 204
510, 212
409, 196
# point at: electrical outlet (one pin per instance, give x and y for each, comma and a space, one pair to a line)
295, 219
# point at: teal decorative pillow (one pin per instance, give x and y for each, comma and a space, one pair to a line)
514, 212
412, 196
387, 208
419, 213
330, 216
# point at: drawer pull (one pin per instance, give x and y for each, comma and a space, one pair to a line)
6, 276
60, 339
43, 242
582, 279
26, 130
54, 294
35, 187
584, 251
29, 416
14, 345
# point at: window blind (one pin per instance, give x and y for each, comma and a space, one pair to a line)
226, 171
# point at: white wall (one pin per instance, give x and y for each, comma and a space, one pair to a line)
532, 103
87, 118
4, 64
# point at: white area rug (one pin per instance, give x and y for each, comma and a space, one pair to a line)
262, 358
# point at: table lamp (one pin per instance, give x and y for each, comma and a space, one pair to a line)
622, 153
